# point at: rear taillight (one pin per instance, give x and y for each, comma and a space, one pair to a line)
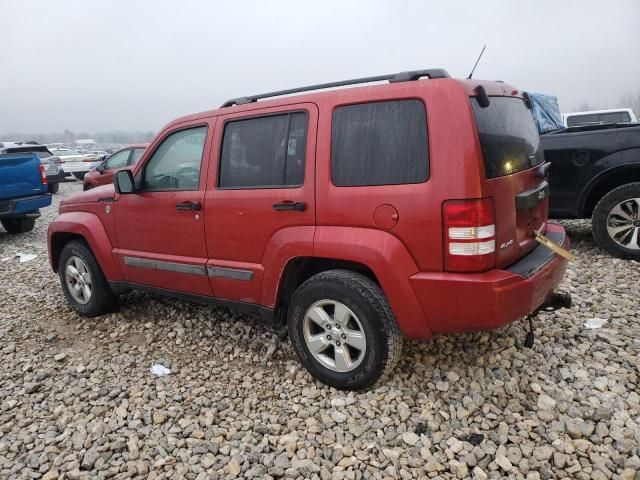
43, 175
469, 235
88, 160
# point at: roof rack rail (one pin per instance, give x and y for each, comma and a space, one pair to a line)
392, 78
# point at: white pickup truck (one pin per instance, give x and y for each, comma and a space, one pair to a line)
595, 117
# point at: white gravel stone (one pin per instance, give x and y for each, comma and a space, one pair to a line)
238, 405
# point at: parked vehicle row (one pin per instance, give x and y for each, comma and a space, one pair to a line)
74, 163
351, 216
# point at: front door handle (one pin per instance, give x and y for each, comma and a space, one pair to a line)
192, 206
290, 205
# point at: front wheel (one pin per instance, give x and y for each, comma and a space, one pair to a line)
616, 222
343, 330
83, 282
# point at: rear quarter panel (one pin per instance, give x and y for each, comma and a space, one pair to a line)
455, 169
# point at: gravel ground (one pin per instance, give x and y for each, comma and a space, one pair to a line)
78, 401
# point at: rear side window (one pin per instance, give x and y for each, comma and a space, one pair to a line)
508, 136
382, 143
264, 152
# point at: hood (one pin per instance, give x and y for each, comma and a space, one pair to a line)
89, 196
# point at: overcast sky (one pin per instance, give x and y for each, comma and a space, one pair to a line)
135, 65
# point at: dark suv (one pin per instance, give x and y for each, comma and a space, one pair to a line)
355, 216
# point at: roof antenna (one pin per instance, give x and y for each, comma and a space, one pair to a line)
476, 64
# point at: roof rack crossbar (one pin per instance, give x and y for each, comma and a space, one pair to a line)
392, 78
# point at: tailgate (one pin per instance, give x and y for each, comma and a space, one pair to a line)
521, 203
20, 175
512, 157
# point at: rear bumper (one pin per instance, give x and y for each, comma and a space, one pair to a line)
20, 206
470, 302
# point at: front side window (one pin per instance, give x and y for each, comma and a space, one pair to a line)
118, 159
382, 143
175, 165
264, 152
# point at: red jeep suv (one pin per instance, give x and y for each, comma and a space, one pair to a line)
355, 215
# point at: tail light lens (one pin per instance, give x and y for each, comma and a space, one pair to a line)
43, 175
469, 235
88, 160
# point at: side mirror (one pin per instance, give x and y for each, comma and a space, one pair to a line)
100, 168
123, 182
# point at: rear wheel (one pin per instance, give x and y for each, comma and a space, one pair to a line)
18, 225
616, 222
343, 330
83, 282
54, 187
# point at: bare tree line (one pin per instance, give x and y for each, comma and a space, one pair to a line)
630, 100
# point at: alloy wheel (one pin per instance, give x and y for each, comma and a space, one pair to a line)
334, 335
623, 223
78, 279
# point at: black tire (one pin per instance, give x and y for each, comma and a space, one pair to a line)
102, 298
18, 225
54, 187
80, 176
367, 301
600, 216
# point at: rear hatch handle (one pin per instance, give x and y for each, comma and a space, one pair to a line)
531, 198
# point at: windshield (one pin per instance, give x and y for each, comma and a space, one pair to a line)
508, 136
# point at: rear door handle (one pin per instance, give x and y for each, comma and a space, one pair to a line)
194, 206
290, 205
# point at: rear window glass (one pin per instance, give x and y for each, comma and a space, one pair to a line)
382, 143
508, 136
595, 118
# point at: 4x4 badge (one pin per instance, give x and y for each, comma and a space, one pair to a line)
107, 209
506, 244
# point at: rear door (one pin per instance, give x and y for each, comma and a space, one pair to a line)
262, 190
512, 155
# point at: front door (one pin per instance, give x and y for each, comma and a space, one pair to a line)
160, 228
260, 201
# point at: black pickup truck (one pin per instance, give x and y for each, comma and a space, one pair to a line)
595, 173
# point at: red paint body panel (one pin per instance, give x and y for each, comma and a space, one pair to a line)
389, 260
490, 300
90, 227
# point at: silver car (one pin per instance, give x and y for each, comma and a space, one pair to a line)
74, 163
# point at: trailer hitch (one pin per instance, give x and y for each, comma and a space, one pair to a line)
555, 301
